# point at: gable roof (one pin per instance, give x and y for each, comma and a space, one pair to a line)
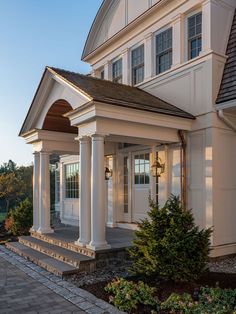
228, 84
119, 94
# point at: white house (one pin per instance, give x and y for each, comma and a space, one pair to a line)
151, 100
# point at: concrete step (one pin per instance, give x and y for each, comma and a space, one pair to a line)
49, 263
75, 259
53, 239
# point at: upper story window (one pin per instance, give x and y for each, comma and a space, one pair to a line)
102, 74
72, 180
137, 60
194, 35
117, 71
164, 51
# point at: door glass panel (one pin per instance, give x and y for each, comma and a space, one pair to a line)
141, 169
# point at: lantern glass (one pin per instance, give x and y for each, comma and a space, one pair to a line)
157, 168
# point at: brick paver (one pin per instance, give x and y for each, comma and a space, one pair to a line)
19, 293
27, 288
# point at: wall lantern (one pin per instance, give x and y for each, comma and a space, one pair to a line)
108, 173
158, 168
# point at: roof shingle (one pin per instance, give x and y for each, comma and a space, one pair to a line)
228, 84
119, 94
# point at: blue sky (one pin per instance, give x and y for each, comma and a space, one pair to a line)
33, 34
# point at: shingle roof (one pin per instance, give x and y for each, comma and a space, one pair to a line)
228, 84
119, 94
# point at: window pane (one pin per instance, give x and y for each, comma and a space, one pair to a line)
164, 51
117, 71
137, 57
195, 35
72, 180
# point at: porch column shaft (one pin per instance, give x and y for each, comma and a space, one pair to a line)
98, 238
36, 192
85, 192
44, 194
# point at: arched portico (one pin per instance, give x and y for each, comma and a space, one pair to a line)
100, 116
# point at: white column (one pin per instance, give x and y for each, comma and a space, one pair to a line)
148, 57
36, 192
44, 194
98, 232
85, 192
125, 67
178, 38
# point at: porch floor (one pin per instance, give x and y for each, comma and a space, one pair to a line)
116, 237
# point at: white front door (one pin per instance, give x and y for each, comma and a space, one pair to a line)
140, 185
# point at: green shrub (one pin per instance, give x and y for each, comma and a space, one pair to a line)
20, 219
168, 244
211, 300
127, 295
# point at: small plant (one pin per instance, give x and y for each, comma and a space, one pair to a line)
20, 219
169, 245
211, 300
183, 304
127, 295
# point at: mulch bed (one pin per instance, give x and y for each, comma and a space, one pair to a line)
166, 288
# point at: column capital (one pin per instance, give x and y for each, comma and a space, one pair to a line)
97, 137
83, 138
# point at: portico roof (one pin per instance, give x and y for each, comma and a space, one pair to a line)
62, 92
119, 94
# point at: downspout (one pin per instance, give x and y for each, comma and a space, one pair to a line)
183, 169
222, 116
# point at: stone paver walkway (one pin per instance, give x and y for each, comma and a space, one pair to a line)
27, 288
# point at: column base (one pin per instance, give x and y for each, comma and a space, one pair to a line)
81, 243
45, 230
33, 229
98, 246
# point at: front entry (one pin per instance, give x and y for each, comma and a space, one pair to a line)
136, 185
141, 185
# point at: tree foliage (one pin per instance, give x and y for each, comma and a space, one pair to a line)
20, 220
11, 188
168, 244
15, 184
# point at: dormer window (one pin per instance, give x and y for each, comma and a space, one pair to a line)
164, 51
117, 71
137, 61
194, 35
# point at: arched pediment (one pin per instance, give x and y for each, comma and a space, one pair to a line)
55, 120
54, 97
112, 17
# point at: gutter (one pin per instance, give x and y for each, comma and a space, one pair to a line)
226, 120
183, 169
